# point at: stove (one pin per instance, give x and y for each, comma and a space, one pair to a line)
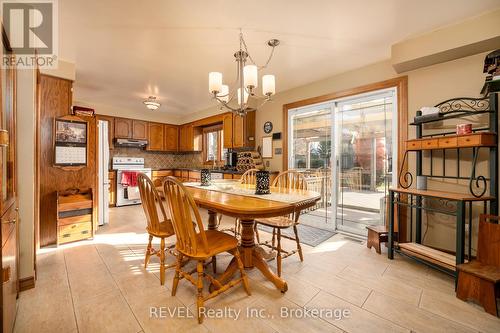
125, 193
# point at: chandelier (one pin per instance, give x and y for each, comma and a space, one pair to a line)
235, 98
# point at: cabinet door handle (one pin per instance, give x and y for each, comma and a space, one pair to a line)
6, 274
13, 221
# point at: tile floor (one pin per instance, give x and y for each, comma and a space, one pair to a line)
102, 286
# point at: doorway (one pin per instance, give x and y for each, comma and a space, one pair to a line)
346, 149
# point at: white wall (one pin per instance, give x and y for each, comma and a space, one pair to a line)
26, 103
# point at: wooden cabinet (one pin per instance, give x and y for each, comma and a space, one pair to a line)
139, 130
112, 188
123, 128
74, 216
156, 139
158, 176
9, 267
190, 138
244, 131
171, 134
227, 129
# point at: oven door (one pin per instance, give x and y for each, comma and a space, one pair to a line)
128, 195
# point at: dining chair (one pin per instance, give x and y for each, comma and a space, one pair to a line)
157, 225
199, 244
290, 179
479, 279
248, 177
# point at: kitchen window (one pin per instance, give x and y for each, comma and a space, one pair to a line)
213, 137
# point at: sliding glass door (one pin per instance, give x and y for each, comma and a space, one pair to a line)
364, 160
346, 151
310, 149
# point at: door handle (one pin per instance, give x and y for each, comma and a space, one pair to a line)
4, 138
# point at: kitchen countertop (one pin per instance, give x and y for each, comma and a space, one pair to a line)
233, 172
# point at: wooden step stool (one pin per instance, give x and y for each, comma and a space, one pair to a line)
377, 234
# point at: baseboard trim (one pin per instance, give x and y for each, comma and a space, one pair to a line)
27, 283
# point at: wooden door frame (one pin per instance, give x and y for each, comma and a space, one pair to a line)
401, 83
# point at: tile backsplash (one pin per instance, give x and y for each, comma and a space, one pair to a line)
160, 160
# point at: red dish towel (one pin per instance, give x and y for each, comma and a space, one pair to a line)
129, 178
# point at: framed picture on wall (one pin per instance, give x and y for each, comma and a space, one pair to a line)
70, 142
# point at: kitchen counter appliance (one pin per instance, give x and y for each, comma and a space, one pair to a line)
127, 191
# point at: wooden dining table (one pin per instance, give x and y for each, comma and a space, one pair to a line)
248, 209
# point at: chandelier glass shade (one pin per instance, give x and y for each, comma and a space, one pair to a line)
235, 97
151, 103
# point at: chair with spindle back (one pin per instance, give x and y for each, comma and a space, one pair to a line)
199, 244
479, 279
157, 225
248, 177
290, 179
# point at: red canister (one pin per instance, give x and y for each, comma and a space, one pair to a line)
463, 129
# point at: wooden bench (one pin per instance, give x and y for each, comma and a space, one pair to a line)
479, 279
376, 234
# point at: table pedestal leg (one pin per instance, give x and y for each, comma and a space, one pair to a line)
212, 220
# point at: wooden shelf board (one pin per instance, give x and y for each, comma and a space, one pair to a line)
478, 139
423, 252
441, 194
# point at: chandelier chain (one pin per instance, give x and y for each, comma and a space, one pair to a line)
242, 42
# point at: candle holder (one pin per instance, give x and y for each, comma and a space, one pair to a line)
206, 177
262, 185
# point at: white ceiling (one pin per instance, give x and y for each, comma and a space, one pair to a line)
126, 50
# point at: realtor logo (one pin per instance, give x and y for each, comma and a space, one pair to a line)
31, 29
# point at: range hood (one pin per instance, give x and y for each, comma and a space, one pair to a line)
131, 143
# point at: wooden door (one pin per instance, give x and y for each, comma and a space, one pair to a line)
171, 137
139, 130
8, 197
227, 129
156, 140
123, 128
238, 132
186, 138
249, 123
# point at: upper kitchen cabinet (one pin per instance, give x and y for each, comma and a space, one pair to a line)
123, 128
171, 135
156, 140
243, 134
139, 130
131, 129
190, 138
227, 128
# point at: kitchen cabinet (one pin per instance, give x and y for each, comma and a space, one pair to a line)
190, 138
139, 130
244, 131
158, 176
156, 137
227, 128
171, 135
194, 176
123, 128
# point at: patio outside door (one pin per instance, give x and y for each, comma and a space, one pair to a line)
310, 152
364, 154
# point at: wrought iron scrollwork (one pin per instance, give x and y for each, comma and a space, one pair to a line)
407, 177
464, 104
480, 180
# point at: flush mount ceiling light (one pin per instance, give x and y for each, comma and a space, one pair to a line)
151, 103
246, 82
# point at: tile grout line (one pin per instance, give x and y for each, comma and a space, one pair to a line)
70, 291
119, 289
371, 292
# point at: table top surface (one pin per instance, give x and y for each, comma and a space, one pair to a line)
249, 206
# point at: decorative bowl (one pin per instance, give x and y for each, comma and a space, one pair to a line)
225, 184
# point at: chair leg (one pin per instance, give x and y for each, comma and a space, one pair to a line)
199, 300
242, 271
273, 241
278, 256
214, 264
299, 248
148, 252
256, 231
176, 276
236, 227
162, 261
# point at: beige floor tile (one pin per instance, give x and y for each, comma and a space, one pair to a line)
348, 290
359, 320
409, 316
450, 307
107, 312
389, 286
91, 284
